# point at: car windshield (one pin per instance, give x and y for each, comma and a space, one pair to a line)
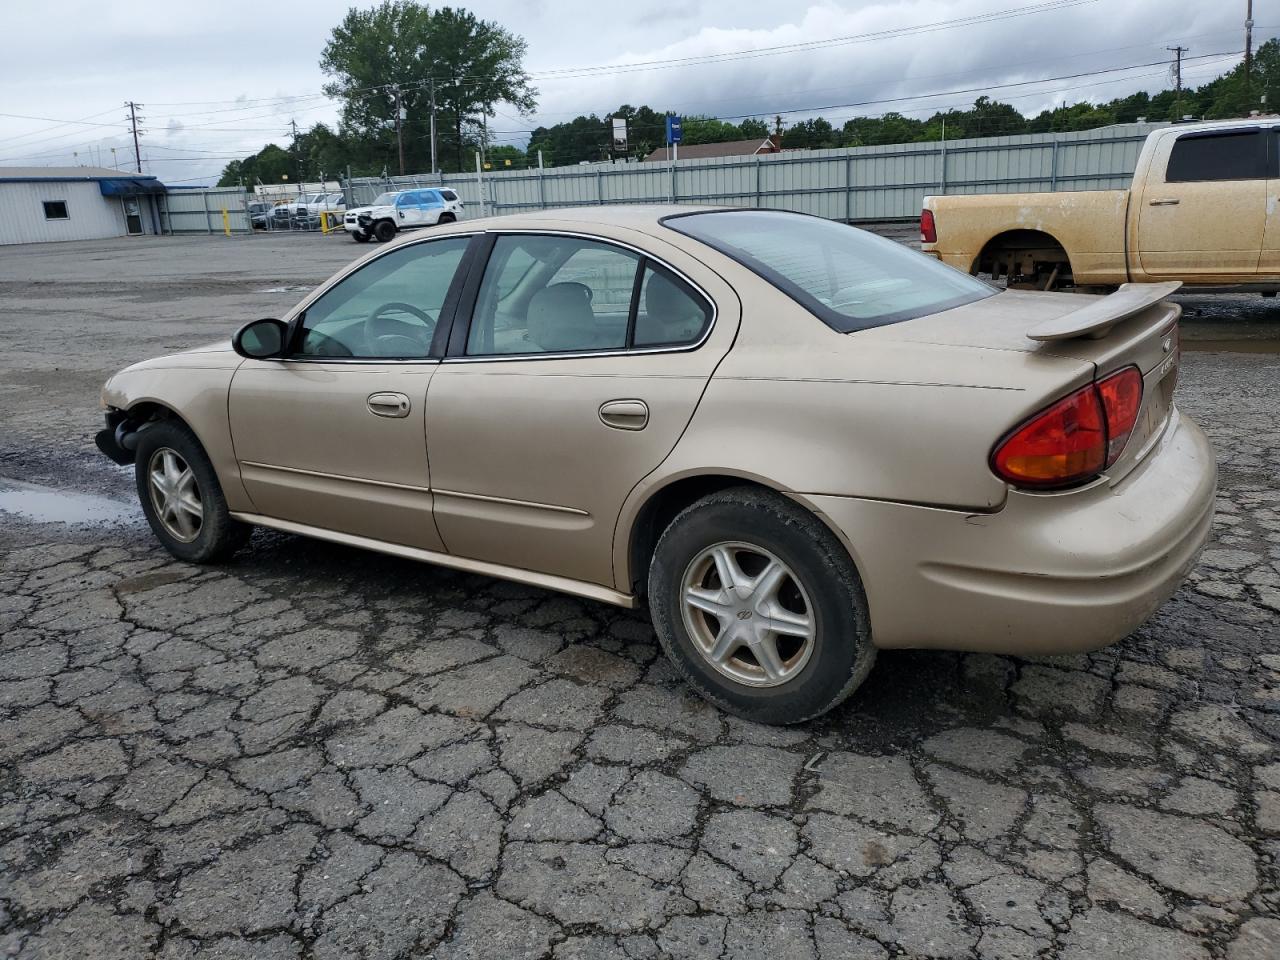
848, 278
384, 200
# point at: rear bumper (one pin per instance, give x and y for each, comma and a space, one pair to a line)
961, 261
1049, 573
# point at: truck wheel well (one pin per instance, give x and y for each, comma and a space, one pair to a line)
1023, 253
661, 508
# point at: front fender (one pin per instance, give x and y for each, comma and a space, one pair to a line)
192, 387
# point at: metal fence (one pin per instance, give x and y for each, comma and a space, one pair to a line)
854, 183
205, 210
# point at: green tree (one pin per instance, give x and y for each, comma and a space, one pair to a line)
271, 164
407, 48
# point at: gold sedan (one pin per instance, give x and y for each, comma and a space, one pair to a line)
797, 442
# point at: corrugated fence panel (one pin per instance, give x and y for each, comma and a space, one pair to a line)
200, 211
856, 183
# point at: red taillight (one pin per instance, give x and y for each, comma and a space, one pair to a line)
1121, 400
1076, 438
928, 229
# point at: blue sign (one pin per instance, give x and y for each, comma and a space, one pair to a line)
674, 132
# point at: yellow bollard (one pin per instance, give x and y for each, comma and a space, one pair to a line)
324, 221
226, 222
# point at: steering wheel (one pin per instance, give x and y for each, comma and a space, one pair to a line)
319, 344
390, 337
586, 291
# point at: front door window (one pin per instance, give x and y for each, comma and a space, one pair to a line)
388, 309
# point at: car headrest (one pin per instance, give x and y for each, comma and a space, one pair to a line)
560, 318
671, 315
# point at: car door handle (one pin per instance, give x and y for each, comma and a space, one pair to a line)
625, 414
388, 404
1165, 202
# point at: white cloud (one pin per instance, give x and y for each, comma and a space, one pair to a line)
174, 58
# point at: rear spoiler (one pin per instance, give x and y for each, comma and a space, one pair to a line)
1096, 320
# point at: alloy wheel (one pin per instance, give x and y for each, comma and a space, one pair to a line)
748, 614
175, 494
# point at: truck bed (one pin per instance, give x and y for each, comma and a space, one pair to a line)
1088, 223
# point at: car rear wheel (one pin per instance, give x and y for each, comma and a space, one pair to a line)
759, 607
181, 496
384, 231
447, 218
359, 237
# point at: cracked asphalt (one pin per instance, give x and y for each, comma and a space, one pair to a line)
315, 752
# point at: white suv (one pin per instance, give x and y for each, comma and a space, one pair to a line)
403, 210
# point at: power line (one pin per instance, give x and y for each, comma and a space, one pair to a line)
666, 63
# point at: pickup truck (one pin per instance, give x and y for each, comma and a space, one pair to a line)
1202, 208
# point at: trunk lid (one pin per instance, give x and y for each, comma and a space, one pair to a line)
1133, 326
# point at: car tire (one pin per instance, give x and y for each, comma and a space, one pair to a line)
447, 218
359, 237
168, 447
384, 231
760, 530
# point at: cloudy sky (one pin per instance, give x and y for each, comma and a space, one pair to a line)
219, 80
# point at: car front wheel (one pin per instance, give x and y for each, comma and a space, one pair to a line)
359, 236
759, 607
181, 496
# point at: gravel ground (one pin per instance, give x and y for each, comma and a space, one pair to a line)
316, 752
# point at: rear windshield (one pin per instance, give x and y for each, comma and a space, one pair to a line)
848, 278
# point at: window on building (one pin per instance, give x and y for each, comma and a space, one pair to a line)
55, 210
1239, 155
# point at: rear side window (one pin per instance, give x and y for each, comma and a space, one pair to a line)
1240, 155
449, 195
848, 278
553, 294
668, 313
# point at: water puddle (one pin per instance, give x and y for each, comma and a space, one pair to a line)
39, 504
1232, 346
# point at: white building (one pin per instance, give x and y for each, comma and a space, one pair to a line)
39, 204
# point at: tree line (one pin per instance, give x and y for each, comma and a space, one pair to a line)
404, 56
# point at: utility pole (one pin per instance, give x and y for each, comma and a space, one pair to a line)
1177, 77
133, 124
1248, 44
434, 170
399, 135
297, 161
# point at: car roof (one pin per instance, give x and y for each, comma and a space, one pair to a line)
637, 216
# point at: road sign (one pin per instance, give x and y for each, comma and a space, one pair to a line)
675, 133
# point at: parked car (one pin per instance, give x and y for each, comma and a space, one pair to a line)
282, 214
332, 203
1201, 209
403, 210
260, 214
797, 442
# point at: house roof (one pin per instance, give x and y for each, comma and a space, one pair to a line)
69, 173
730, 148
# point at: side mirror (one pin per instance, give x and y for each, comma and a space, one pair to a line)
260, 339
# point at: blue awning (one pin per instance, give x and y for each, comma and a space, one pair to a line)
130, 186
